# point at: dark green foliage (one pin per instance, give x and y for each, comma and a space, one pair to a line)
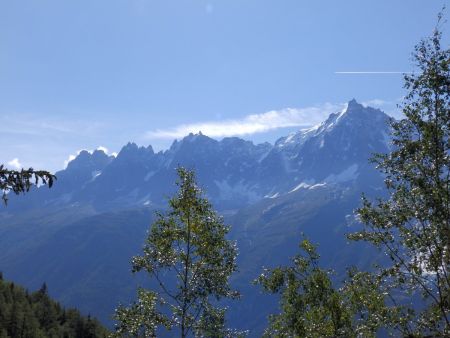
312, 307
21, 181
142, 318
36, 315
188, 256
413, 226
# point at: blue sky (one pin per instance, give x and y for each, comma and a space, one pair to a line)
87, 73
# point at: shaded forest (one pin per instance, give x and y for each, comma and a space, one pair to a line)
24, 314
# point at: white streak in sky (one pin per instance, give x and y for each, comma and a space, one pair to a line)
371, 72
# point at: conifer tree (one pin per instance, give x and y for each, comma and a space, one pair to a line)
20, 181
36, 315
188, 256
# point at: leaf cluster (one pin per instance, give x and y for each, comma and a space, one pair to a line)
413, 225
20, 181
311, 306
188, 255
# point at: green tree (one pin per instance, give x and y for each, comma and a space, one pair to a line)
311, 306
21, 181
189, 258
36, 315
412, 226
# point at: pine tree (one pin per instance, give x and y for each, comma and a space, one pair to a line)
412, 226
36, 315
21, 181
188, 256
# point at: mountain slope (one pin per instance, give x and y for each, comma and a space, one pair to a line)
80, 236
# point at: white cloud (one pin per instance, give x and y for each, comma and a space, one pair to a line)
15, 163
104, 149
252, 124
29, 124
74, 156
376, 103
71, 158
388, 106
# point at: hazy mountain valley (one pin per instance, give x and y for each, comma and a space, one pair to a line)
80, 235
235, 190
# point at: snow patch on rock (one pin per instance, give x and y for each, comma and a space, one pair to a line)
346, 175
272, 196
229, 191
302, 185
318, 185
149, 175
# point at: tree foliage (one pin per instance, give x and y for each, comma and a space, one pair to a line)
189, 258
412, 226
311, 306
35, 315
21, 181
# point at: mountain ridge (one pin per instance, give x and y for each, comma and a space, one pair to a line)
80, 235
233, 171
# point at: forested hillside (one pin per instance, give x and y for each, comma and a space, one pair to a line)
24, 314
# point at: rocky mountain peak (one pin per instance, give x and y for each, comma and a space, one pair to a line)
132, 151
86, 159
358, 111
354, 105
233, 171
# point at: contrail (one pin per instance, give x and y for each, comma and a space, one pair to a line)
370, 72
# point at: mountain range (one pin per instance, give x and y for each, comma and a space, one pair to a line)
80, 235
